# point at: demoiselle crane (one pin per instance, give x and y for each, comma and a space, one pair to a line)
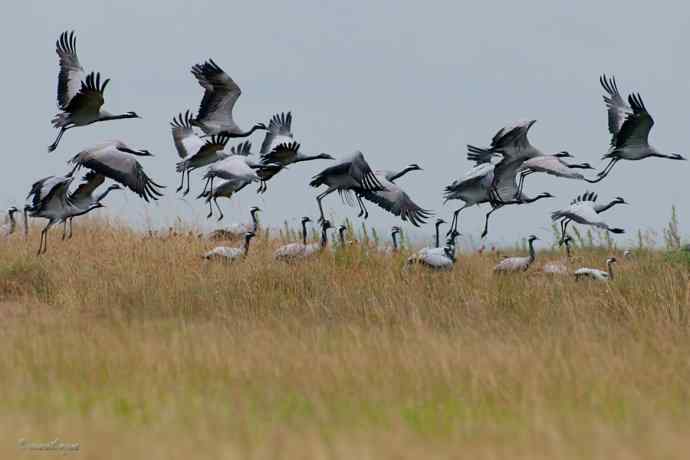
194, 152
442, 258
438, 224
291, 251
518, 264
595, 274
231, 254
226, 189
315, 248
584, 210
7, 229
83, 197
286, 154
350, 173
237, 229
235, 167
80, 100
481, 185
629, 125
559, 268
393, 198
48, 199
117, 161
279, 132
220, 95
552, 165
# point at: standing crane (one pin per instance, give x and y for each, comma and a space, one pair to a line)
231, 254
518, 264
7, 229
595, 274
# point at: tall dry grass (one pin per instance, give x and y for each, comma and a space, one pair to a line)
136, 348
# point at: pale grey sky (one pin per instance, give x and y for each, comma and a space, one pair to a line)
402, 81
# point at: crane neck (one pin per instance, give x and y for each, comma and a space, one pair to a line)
341, 235
438, 240
397, 175
304, 233
324, 237
247, 239
607, 206
105, 193
107, 116
255, 222
395, 240
609, 266
532, 254
567, 249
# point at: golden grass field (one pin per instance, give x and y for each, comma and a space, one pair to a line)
137, 349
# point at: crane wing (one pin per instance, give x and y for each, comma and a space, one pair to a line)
615, 106
89, 99
636, 127
187, 142
71, 72
91, 181
220, 93
279, 131
123, 168
396, 201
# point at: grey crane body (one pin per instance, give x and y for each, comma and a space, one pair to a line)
193, 151
226, 189
117, 161
596, 274
437, 258
7, 229
393, 198
552, 165
291, 251
80, 99
629, 125
49, 199
518, 264
236, 167
585, 211
215, 115
560, 268
237, 229
231, 254
351, 173
481, 184
84, 197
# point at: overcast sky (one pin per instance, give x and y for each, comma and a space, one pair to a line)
405, 82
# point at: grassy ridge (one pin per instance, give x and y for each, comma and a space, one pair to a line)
136, 348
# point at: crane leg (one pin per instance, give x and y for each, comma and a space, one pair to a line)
363, 210
203, 192
186, 191
26, 222
69, 237
210, 208
64, 230
44, 239
486, 220
54, 145
318, 201
454, 222
521, 184
181, 182
220, 211
607, 169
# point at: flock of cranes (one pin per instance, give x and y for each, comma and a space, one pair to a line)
201, 140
